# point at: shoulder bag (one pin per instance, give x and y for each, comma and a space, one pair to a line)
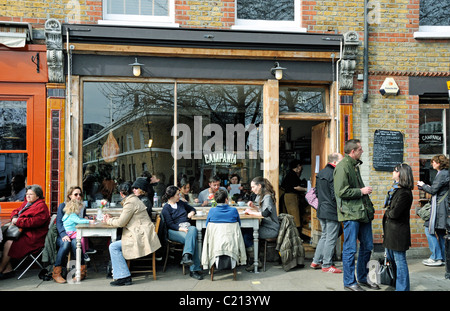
425, 211
311, 197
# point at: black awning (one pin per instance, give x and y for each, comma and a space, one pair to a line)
201, 38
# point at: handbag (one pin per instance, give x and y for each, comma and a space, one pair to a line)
387, 272
11, 232
311, 197
425, 211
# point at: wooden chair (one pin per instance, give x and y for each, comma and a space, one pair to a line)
272, 243
211, 271
173, 246
146, 268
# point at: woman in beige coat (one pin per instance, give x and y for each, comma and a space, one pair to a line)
138, 236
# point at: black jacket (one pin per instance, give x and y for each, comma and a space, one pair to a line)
327, 208
396, 228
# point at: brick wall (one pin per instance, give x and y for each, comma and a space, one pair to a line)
36, 12
205, 14
393, 52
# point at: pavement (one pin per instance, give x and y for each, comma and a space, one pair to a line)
274, 279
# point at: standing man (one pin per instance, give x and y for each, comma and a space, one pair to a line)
327, 214
356, 211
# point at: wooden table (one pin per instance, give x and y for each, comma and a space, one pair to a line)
247, 221
91, 230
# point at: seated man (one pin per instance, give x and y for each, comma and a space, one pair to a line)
206, 196
224, 243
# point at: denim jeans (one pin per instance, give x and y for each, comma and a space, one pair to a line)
119, 264
436, 243
189, 240
327, 243
398, 260
353, 231
64, 249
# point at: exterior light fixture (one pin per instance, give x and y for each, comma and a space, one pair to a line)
150, 143
136, 67
277, 71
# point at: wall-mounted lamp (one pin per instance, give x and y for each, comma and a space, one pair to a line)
150, 143
136, 67
277, 71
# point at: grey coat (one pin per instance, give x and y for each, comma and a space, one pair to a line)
439, 187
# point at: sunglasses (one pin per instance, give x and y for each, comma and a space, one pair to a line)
77, 194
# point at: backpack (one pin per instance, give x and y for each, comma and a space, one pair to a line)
311, 197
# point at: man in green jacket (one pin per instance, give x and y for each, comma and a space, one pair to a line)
356, 211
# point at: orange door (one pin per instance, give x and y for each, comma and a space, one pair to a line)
22, 140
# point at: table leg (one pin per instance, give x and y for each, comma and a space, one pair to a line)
78, 258
199, 239
255, 248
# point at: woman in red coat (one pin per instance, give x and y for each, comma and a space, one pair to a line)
33, 218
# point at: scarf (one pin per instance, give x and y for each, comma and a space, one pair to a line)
390, 194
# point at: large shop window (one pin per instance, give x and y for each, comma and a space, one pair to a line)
13, 145
268, 15
433, 137
171, 130
302, 99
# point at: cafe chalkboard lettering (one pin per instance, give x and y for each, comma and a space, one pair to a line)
387, 150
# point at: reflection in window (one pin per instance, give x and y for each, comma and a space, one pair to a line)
431, 134
13, 124
307, 100
220, 133
13, 172
434, 13
117, 118
269, 10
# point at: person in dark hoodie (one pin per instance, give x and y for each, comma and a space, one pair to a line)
140, 189
327, 214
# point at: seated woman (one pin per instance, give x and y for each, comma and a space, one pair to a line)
185, 188
222, 213
177, 215
64, 242
139, 238
33, 218
224, 245
265, 199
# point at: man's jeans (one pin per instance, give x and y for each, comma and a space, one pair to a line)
119, 264
401, 267
189, 240
327, 243
353, 231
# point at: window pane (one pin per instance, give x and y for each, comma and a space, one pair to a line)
270, 10
139, 7
294, 99
13, 125
220, 133
431, 140
117, 118
434, 13
13, 171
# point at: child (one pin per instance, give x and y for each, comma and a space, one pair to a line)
71, 219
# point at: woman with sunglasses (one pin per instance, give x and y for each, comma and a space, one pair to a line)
396, 227
64, 242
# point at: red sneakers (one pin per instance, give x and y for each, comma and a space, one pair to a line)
332, 269
316, 265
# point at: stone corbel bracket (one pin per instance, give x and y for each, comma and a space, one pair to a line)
55, 56
348, 61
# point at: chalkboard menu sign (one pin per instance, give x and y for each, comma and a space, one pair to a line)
387, 150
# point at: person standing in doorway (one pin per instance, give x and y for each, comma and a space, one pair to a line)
355, 210
327, 214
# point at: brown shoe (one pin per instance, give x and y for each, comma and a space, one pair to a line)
83, 273
56, 275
